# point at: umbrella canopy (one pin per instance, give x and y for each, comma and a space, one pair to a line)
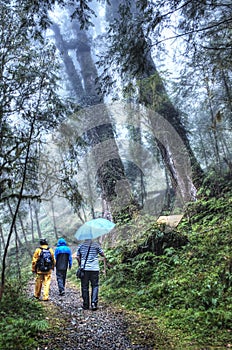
94, 228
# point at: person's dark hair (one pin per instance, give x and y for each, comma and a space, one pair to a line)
43, 241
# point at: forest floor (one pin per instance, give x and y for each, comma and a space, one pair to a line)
108, 328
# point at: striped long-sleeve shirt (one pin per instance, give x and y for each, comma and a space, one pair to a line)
92, 263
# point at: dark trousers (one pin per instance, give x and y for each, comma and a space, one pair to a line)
90, 277
61, 278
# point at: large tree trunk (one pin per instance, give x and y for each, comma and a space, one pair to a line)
95, 125
143, 68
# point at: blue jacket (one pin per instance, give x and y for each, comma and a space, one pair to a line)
63, 255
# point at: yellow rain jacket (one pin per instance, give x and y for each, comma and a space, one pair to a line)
36, 257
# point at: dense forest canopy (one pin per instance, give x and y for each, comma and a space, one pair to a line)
112, 108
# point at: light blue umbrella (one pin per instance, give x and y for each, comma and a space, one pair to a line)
94, 228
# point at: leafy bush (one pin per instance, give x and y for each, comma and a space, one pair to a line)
21, 318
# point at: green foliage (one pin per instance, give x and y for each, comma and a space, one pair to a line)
21, 318
189, 288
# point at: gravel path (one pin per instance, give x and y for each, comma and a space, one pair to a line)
74, 328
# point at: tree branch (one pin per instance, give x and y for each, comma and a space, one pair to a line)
194, 31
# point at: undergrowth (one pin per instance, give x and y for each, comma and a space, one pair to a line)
188, 288
21, 318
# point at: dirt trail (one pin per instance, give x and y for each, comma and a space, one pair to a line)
74, 328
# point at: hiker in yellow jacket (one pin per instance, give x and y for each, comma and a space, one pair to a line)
43, 273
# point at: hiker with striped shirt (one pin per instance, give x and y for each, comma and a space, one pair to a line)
91, 250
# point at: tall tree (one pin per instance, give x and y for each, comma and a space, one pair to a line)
206, 29
98, 131
130, 55
29, 107
203, 31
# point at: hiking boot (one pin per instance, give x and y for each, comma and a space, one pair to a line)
62, 293
94, 306
84, 307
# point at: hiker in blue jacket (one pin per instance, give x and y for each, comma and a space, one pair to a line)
63, 256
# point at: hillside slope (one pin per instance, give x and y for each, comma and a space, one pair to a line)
184, 277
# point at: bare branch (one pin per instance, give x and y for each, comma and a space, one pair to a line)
194, 31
